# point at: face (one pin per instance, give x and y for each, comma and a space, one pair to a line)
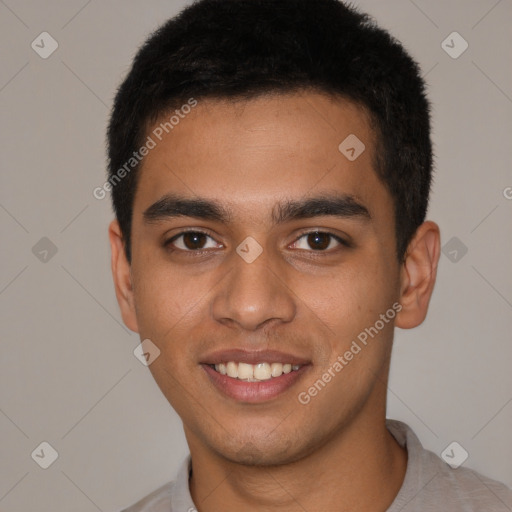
256, 240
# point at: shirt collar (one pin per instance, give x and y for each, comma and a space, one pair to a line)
182, 500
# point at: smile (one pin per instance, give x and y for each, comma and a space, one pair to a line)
254, 372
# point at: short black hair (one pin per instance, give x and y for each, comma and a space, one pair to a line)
241, 49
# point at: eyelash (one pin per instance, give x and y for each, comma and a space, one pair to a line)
199, 252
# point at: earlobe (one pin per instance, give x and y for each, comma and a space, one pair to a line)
121, 273
418, 275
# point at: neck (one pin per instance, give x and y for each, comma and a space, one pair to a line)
361, 468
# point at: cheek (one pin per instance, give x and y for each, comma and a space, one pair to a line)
347, 310
350, 297
172, 311
164, 297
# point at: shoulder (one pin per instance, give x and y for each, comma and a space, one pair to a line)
465, 489
432, 484
172, 496
158, 501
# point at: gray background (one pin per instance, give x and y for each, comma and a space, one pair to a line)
68, 375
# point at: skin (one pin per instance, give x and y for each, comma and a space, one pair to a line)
250, 155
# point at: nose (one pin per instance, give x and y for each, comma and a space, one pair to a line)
253, 295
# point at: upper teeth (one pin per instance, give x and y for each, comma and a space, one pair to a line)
254, 372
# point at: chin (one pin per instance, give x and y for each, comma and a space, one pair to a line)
264, 451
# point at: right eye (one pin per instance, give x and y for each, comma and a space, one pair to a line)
191, 241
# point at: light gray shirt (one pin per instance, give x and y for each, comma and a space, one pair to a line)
429, 485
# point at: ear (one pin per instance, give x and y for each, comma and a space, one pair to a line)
121, 272
418, 275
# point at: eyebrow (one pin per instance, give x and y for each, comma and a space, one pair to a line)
172, 206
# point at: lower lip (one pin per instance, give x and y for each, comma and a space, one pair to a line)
253, 392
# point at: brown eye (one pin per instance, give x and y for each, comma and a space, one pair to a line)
194, 241
191, 241
319, 241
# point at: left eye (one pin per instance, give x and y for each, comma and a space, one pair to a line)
319, 241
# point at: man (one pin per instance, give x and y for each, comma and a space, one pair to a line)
270, 166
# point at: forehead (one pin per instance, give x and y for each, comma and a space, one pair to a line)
249, 153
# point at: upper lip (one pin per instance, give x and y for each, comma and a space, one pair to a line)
252, 357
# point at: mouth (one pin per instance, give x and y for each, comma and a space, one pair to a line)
253, 377
254, 372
